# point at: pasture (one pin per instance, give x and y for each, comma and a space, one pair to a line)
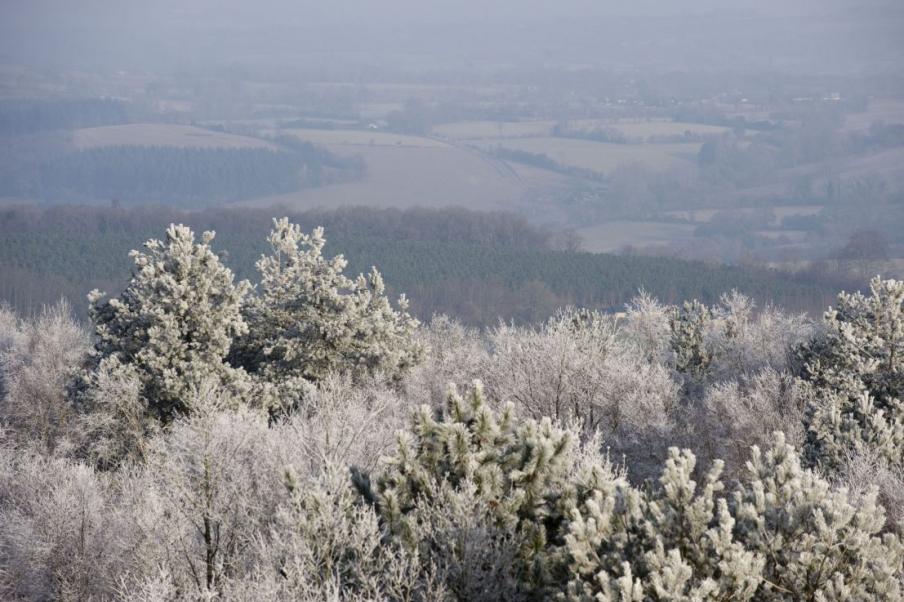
161, 134
599, 156
704, 216
881, 109
642, 130
423, 176
359, 138
464, 130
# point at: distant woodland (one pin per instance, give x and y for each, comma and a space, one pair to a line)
477, 267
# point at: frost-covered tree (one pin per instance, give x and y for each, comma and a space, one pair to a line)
325, 545
210, 484
688, 325
672, 542
782, 534
309, 319
63, 535
818, 543
472, 458
173, 324
856, 372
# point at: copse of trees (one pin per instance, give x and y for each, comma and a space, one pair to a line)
183, 325
291, 443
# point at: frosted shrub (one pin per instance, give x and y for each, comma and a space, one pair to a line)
310, 320
324, 545
576, 367
115, 425
208, 487
453, 353
647, 326
62, 536
38, 359
174, 323
734, 415
861, 473
856, 372
744, 341
341, 424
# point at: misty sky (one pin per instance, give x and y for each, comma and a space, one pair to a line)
840, 36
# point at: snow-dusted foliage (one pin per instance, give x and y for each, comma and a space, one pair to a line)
38, 358
577, 366
158, 468
734, 415
782, 534
309, 319
453, 353
856, 372
688, 324
62, 534
511, 483
173, 324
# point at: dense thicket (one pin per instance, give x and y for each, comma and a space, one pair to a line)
474, 266
148, 462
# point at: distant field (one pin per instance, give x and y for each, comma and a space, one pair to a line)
642, 130
464, 130
600, 156
645, 129
889, 111
884, 164
428, 176
160, 134
612, 236
702, 216
362, 138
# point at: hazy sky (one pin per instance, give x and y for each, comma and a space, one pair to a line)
825, 35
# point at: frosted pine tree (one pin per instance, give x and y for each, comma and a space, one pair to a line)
783, 534
309, 319
819, 543
671, 542
855, 370
518, 472
688, 326
174, 323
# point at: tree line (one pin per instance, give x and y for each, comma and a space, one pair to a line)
478, 267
